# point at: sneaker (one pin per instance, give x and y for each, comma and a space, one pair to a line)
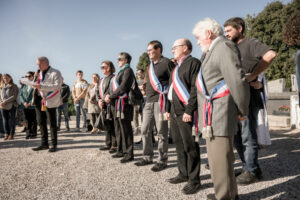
246, 178
159, 167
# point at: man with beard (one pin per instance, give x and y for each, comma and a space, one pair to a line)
256, 57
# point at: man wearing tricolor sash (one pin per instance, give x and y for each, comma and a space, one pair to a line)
183, 103
123, 112
48, 86
156, 91
223, 97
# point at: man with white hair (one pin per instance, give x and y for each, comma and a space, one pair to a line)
223, 98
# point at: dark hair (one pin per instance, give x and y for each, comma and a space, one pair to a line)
156, 44
291, 28
141, 70
236, 22
126, 56
79, 71
112, 68
31, 73
188, 44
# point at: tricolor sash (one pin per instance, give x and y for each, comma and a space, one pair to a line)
219, 91
183, 96
121, 99
157, 86
50, 95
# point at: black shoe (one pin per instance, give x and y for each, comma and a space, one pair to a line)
104, 148
42, 147
213, 197
68, 129
139, 142
206, 166
177, 179
58, 129
24, 130
170, 140
27, 137
52, 149
191, 188
258, 174
113, 150
127, 159
118, 155
246, 178
33, 136
143, 163
159, 167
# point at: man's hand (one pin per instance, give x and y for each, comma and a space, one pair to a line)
107, 98
250, 77
2, 104
242, 118
76, 100
167, 116
36, 86
186, 118
257, 85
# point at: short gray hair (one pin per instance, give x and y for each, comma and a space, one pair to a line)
208, 24
43, 59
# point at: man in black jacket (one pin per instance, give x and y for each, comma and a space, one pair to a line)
183, 103
65, 93
122, 83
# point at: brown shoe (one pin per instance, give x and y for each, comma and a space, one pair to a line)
95, 130
6, 137
10, 137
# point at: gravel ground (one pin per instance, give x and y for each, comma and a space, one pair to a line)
78, 170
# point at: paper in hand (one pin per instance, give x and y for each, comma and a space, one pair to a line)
27, 82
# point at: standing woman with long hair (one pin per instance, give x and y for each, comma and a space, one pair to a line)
93, 108
1, 120
8, 105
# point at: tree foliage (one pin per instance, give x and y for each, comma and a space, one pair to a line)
144, 62
267, 26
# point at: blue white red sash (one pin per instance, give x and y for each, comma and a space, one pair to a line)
183, 96
50, 95
219, 91
121, 101
157, 86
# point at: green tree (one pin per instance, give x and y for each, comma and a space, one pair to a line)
267, 26
71, 106
144, 62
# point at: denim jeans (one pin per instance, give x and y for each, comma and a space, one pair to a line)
9, 120
63, 108
79, 109
245, 141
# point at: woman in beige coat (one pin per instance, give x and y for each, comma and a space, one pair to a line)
90, 100
8, 105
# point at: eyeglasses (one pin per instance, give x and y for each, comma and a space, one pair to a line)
119, 59
173, 48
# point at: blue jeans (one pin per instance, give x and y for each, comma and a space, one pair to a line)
63, 108
9, 120
245, 141
79, 109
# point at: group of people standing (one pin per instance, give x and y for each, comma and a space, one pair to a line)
218, 96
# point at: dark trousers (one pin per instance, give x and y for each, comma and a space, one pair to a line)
9, 120
110, 137
124, 133
42, 120
30, 117
188, 154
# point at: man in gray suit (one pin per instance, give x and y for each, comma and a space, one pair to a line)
223, 98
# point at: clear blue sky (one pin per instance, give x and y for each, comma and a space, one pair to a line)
79, 34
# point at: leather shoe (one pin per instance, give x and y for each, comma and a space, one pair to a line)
105, 148
42, 147
159, 167
118, 155
127, 159
143, 163
177, 179
52, 149
191, 188
113, 150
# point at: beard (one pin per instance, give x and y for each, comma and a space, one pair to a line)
235, 38
204, 48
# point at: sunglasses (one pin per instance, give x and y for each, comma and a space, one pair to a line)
119, 59
28, 76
